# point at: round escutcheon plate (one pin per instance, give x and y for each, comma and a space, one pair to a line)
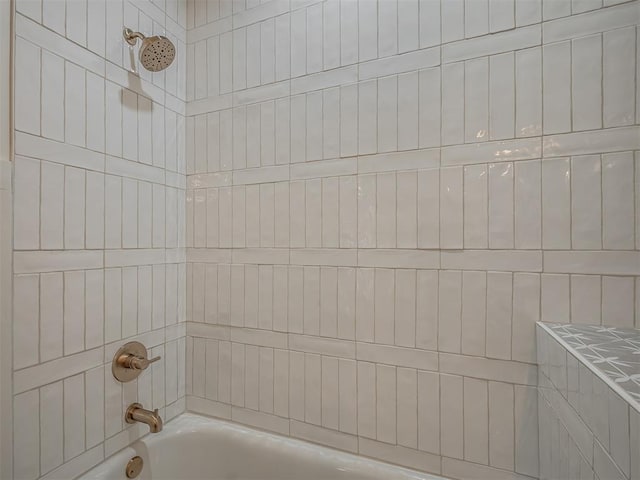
122, 373
134, 467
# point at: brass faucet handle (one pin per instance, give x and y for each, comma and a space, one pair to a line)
141, 363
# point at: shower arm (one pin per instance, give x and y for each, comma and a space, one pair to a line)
132, 37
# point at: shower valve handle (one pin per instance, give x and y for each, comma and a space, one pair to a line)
130, 360
136, 363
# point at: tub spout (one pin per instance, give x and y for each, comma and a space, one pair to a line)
135, 413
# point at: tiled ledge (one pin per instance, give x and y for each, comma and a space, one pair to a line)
588, 419
611, 353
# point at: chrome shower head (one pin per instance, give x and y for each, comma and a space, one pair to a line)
156, 53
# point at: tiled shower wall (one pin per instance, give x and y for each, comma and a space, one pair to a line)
383, 197
99, 190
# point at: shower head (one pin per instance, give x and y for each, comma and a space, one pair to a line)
156, 53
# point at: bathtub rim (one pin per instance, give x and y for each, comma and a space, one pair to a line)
190, 419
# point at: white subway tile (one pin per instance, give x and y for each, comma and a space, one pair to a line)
347, 396
25, 311
526, 311
365, 281
311, 295
282, 47
476, 421
501, 15
555, 9
405, 308
528, 205
298, 42
74, 424
94, 397
617, 301
427, 309
556, 208
499, 315
26, 225
28, 86
51, 316
528, 12
586, 88
53, 15
26, 445
528, 107
618, 76
367, 30
74, 312
451, 416
474, 312
556, 67
586, 299
51, 427
252, 377
129, 301
314, 31
367, 116
452, 17
388, 28
429, 97
502, 95
387, 113
617, 201
451, 207
312, 389
94, 309
449, 311
501, 425
384, 306
476, 19
53, 96
476, 78
586, 202
295, 313
52, 206
453, 102
366, 376
475, 206
386, 196
555, 298
386, 404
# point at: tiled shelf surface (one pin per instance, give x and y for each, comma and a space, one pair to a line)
612, 353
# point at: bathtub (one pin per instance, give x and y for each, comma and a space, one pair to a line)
192, 447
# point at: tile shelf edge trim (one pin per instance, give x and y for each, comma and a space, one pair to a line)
596, 371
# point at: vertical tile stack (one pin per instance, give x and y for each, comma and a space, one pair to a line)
99, 194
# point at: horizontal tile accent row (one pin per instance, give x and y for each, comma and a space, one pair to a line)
494, 260
42, 261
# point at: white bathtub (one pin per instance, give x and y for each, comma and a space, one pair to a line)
193, 447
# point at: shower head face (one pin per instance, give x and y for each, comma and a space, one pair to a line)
157, 53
